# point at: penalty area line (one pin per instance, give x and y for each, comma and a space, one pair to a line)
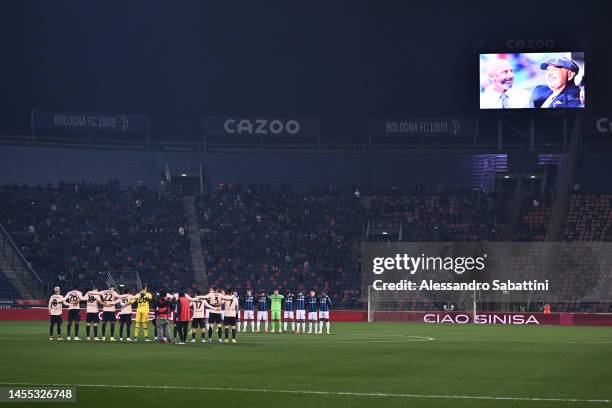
311, 392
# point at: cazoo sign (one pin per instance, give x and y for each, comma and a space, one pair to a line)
604, 125
257, 126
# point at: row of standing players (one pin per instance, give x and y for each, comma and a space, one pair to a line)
217, 308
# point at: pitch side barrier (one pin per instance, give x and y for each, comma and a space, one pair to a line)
508, 318
504, 318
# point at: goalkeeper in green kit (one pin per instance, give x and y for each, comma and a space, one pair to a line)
276, 301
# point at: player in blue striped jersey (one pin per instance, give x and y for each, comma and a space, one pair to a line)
289, 313
324, 306
249, 311
300, 311
262, 311
312, 312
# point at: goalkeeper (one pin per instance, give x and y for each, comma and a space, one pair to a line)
142, 312
276, 301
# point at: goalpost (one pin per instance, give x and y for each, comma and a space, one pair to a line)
389, 306
516, 279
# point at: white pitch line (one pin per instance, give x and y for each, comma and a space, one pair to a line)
382, 335
309, 392
407, 339
272, 342
450, 340
332, 340
559, 342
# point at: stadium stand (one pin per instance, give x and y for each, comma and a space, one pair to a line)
462, 215
534, 215
589, 218
7, 291
259, 237
76, 233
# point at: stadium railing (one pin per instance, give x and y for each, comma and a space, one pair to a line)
24, 272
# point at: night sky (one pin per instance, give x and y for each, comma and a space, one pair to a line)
340, 61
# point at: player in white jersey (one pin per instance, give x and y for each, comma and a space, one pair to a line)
214, 316
200, 305
74, 299
232, 310
55, 313
222, 291
108, 299
92, 313
125, 314
206, 311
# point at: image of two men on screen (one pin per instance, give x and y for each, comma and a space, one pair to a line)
532, 81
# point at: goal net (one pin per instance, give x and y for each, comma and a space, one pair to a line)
387, 306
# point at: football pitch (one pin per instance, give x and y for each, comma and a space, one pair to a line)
360, 364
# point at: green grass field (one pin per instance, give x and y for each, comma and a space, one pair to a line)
384, 364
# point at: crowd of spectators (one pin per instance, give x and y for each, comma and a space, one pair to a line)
76, 233
589, 218
534, 217
256, 236
453, 215
259, 237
